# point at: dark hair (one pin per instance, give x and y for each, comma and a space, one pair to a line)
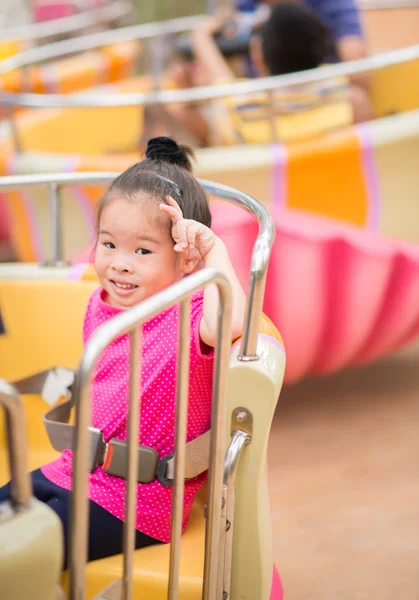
294, 39
166, 171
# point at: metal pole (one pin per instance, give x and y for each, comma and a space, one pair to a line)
79, 517
55, 224
131, 485
182, 391
258, 266
21, 487
238, 441
218, 424
15, 132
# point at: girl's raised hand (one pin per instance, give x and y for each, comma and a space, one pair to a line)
192, 239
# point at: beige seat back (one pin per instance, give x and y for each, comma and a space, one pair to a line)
30, 532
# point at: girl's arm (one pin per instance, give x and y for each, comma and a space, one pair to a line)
218, 258
197, 243
207, 53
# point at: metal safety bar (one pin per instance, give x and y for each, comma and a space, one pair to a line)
125, 323
98, 40
387, 4
75, 23
197, 94
239, 440
260, 254
21, 488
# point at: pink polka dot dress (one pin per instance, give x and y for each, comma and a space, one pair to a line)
158, 394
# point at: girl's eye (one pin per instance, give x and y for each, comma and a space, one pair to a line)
142, 251
109, 245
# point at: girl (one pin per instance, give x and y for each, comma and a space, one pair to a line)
153, 229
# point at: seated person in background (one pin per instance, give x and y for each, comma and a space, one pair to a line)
343, 20
341, 16
292, 39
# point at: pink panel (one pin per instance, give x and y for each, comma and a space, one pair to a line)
49, 12
293, 296
397, 321
340, 295
277, 592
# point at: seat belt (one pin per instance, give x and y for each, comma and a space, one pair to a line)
56, 383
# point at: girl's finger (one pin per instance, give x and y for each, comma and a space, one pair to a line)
172, 209
171, 212
191, 232
181, 227
172, 202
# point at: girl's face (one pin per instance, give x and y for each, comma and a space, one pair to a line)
134, 254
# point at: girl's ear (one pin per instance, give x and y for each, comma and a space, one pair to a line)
188, 266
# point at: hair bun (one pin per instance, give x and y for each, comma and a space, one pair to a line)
165, 149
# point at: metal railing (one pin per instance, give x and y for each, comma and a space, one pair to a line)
204, 94
99, 40
260, 255
67, 25
128, 322
21, 486
387, 4
222, 471
211, 92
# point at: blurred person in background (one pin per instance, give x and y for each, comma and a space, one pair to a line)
341, 16
343, 19
293, 38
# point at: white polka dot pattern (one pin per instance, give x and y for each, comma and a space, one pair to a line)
158, 394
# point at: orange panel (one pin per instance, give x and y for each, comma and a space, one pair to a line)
325, 177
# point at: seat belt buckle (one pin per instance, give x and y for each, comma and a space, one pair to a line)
161, 472
98, 448
115, 461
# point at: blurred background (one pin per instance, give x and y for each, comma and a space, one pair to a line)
331, 146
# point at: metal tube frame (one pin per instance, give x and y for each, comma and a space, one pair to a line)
96, 16
21, 488
387, 4
55, 223
161, 97
98, 40
182, 389
239, 440
198, 94
220, 520
123, 324
260, 254
134, 415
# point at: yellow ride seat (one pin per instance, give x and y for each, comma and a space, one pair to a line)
10, 48
395, 89
43, 328
290, 115
74, 73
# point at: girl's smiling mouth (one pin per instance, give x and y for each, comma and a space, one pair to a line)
122, 288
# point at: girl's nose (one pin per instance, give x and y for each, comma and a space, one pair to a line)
122, 267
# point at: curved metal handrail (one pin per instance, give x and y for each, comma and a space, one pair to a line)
74, 23
98, 40
21, 490
260, 254
387, 4
205, 93
128, 322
